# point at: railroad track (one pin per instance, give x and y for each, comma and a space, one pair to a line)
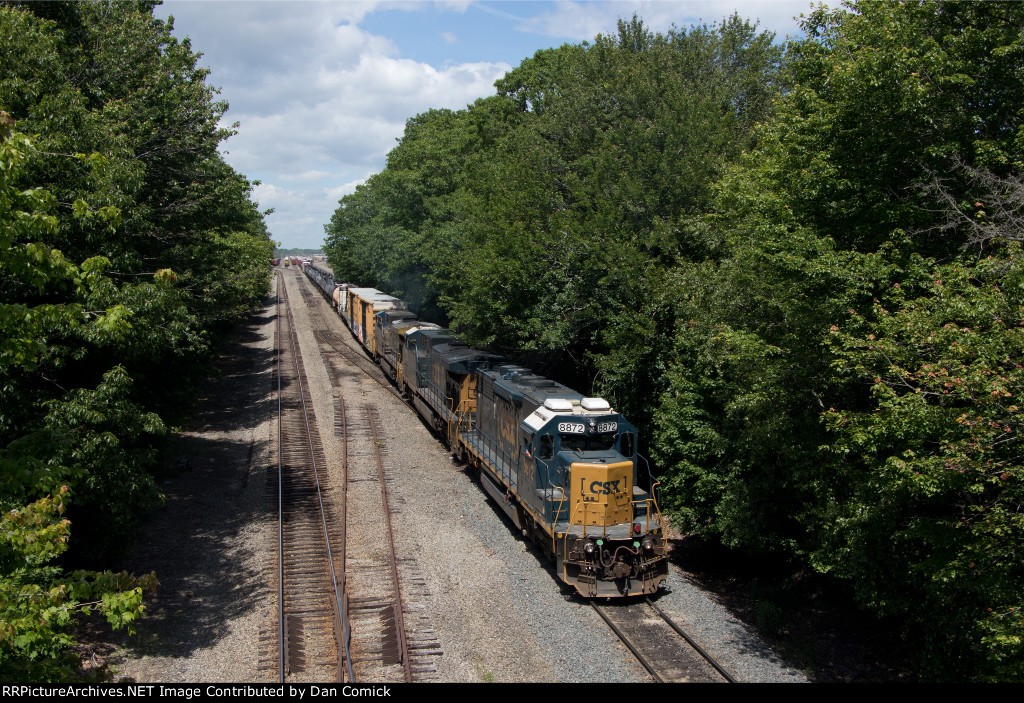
660, 645
392, 638
310, 581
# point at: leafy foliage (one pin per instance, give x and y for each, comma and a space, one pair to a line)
933, 470
787, 425
126, 243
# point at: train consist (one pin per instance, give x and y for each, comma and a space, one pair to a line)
561, 465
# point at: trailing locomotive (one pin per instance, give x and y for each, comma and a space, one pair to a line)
562, 466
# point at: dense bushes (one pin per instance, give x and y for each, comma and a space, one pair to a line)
125, 244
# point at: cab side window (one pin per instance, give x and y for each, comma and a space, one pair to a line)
547, 447
627, 444
527, 444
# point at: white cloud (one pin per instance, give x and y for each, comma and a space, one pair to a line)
582, 21
317, 97
337, 193
305, 176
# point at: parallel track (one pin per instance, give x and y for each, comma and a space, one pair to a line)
383, 646
310, 588
327, 336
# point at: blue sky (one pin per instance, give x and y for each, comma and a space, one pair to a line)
323, 89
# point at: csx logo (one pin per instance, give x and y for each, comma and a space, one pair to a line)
605, 487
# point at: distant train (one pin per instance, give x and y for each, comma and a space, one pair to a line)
561, 465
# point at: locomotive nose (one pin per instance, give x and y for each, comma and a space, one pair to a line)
602, 493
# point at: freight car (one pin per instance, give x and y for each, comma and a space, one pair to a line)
362, 304
562, 466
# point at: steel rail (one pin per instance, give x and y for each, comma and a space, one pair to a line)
331, 340
700, 650
403, 638
316, 476
365, 363
341, 423
644, 660
346, 627
629, 645
281, 641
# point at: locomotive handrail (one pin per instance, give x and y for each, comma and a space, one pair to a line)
457, 415
462, 420
558, 511
583, 520
650, 478
554, 532
647, 510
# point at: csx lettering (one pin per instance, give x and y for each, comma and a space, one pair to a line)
528, 473
506, 424
507, 431
605, 487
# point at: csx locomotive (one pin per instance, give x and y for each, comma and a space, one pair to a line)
562, 466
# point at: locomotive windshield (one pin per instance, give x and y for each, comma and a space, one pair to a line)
588, 443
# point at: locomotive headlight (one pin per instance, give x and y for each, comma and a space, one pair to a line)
648, 544
589, 549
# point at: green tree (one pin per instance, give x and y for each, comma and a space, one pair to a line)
577, 209
127, 245
928, 522
37, 600
787, 425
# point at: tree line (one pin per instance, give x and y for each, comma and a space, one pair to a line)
127, 247
797, 266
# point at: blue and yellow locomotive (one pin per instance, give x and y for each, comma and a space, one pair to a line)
564, 467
